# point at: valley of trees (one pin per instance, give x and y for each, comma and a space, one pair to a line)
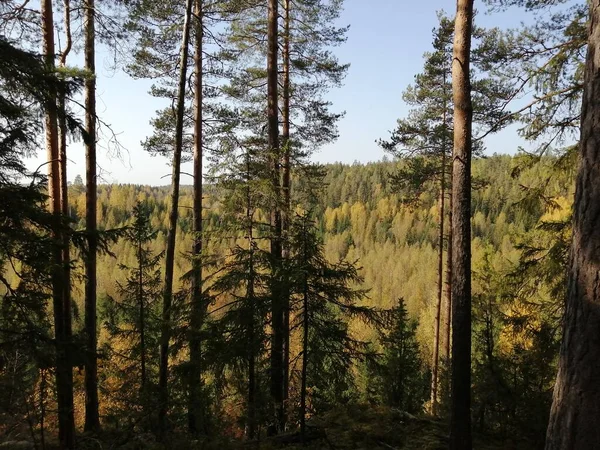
440, 298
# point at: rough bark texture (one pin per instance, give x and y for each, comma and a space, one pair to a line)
438, 310
286, 188
92, 418
195, 413
277, 337
64, 373
460, 419
575, 412
163, 389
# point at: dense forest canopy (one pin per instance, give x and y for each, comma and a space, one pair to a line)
443, 297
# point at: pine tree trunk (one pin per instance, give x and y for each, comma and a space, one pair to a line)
448, 284
195, 413
460, 420
438, 310
92, 418
285, 138
64, 196
277, 337
163, 389
575, 412
448, 294
251, 407
64, 373
64, 187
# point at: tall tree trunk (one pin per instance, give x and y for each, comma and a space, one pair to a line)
195, 412
64, 373
64, 191
448, 285
92, 417
438, 310
460, 420
575, 412
163, 389
251, 419
286, 185
448, 294
276, 253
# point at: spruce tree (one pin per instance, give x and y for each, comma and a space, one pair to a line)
324, 302
401, 375
133, 319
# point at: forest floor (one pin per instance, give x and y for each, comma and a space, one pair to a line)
353, 427
345, 428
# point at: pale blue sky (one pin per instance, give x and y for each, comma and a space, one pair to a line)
385, 45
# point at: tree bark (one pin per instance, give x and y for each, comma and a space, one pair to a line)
286, 188
438, 311
460, 420
448, 294
448, 284
92, 417
64, 373
277, 337
163, 389
575, 412
64, 192
195, 413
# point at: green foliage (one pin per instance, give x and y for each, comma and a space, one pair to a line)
26, 342
323, 302
132, 321
400, 380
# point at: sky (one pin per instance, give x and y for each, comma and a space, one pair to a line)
386, 42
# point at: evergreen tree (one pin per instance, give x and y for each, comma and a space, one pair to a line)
242, 283
423, 142
29, 234
60, 283
401, 378
133, 320
460, 418
92, 417
325, 302
574, 411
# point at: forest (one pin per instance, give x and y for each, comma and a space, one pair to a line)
442, 297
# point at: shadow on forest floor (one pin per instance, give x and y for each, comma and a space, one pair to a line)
353, 427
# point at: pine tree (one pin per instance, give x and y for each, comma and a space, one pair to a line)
197, 310
173, 216
28, 234
61, 303
460, 418
422, 141
574, 413
92, 418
